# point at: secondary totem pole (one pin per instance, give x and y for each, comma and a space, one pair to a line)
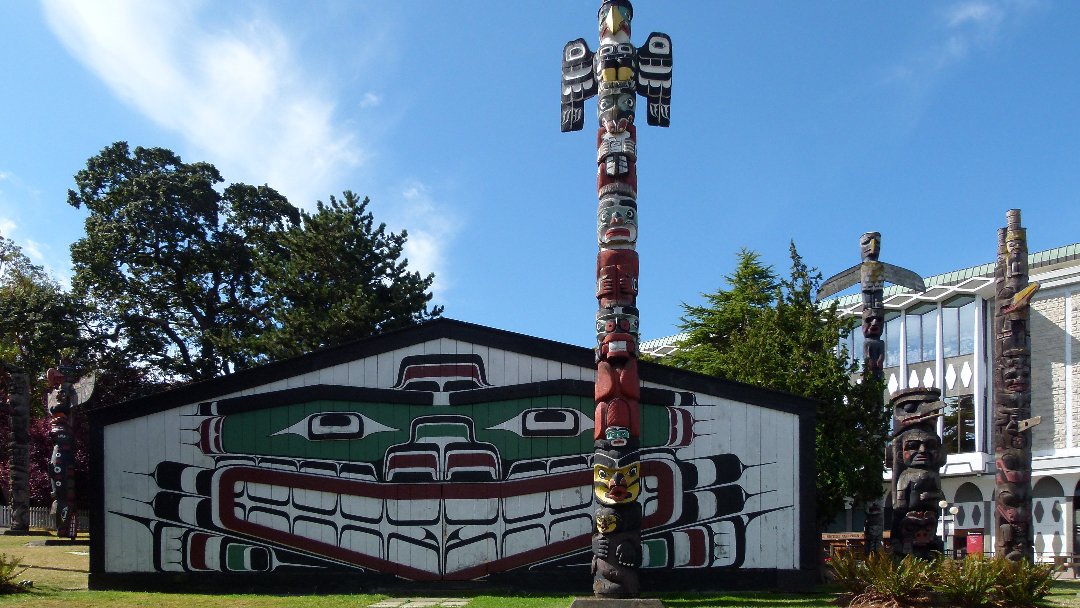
618, 72
1012, 393
871, 274
18, 402
67, 395
917, 459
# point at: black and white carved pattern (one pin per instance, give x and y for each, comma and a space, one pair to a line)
578, 83
654, 78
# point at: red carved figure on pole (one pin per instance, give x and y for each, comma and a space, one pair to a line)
618, 73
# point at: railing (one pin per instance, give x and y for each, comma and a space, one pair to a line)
39, 518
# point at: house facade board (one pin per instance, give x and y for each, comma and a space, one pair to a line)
442, 458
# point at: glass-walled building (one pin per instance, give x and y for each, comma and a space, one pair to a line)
943, 338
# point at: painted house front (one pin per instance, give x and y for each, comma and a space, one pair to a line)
444, 452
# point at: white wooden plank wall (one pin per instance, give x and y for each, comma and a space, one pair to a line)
756, 435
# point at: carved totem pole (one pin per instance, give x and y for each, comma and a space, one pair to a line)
917, 459
18, 402
618, 72
1012, 393
62, 400
871, 274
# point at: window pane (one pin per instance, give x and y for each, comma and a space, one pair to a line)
914, 339
967, 329
950, 326
892, 342
959, 424
929, 336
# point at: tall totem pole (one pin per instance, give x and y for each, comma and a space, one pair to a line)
62, 400
618, 72
1012, 393
871, 274
18, 402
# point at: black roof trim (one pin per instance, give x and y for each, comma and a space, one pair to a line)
210, 390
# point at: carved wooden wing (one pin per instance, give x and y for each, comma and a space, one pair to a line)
654, 78
904, 278
578, 83
840, 282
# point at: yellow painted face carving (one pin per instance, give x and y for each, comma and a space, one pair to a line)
606, 524
614, 486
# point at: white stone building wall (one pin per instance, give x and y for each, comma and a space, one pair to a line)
1048, 370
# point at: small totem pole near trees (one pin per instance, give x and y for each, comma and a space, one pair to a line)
1012, 393
618, 72
917, 459
18, 403
65, 396
871, 274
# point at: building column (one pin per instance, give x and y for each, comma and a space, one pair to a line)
978, 358
903, 349
939, 365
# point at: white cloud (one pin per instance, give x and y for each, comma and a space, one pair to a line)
962, 28
6, 227
235, 92
370, 100
431, 227
33, 250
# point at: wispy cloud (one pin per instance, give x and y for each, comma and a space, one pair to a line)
959, 30
430, 232
235, 91
370, 100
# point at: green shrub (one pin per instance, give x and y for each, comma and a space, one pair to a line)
1023, 583
968, 583
895, 581
10, 570
845, 567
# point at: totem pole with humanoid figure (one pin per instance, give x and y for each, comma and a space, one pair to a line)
18, 405
1012, 393
917, 458
618, 72
66, 394
871, 275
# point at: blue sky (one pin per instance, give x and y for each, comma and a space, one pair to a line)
795, 120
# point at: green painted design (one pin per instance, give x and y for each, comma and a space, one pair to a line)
254, 432
234, 557
656, 553
442, 430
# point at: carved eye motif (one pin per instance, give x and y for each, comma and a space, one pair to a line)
575, 52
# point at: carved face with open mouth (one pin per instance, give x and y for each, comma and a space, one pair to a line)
616, 222
616, 481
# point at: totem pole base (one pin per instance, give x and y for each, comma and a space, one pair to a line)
614, 602
27, 533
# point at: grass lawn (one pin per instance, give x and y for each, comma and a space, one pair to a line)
59, 575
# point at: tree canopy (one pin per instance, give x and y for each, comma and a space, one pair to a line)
768, 331
38, 319
192, 280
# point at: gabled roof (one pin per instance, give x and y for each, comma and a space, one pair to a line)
434, 330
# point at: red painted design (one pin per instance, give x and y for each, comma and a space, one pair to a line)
225, 512
617, 412
442, 371
699, 550
617, 276
197, 550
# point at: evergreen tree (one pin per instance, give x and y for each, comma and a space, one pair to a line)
769, 332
